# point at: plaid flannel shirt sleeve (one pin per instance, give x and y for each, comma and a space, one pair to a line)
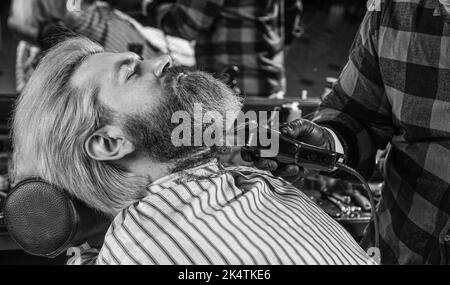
357, 109
188, 18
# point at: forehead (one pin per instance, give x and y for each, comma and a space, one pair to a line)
96, 69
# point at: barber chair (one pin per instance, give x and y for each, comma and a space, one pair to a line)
45, 221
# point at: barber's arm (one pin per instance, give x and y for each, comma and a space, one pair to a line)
355, 115
183, 18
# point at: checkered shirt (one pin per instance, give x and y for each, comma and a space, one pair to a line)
396, 89
245, 33
114, 32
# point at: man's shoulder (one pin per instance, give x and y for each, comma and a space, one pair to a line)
400, 15
381, 5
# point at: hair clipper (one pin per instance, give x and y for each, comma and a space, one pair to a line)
292, 151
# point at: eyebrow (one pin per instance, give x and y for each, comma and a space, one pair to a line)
83, 59
118, 65
76, 66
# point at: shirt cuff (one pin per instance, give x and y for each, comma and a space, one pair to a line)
339, 148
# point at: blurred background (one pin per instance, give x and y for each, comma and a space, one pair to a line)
312, 60
330, 26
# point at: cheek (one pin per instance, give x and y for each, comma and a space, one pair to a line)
135, 97
141, 98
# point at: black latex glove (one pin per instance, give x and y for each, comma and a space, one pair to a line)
304, 131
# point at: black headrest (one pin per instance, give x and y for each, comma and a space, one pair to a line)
45, 221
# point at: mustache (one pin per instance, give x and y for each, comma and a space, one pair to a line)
173, 72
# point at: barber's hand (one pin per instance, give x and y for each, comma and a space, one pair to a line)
304, 131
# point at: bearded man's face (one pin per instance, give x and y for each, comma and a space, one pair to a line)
142, 96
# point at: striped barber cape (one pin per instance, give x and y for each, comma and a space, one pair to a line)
211, 215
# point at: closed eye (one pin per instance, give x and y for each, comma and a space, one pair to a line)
135, 71
130, 75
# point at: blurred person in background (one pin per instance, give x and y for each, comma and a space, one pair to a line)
43, 23
249, 34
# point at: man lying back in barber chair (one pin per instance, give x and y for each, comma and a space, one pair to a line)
99, 125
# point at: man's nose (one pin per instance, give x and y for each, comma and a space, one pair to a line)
161, 64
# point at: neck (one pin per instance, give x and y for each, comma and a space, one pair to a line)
143, 166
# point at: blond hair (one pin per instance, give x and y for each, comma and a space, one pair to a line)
52, 122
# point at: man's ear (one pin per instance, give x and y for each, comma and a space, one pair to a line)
108, 144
